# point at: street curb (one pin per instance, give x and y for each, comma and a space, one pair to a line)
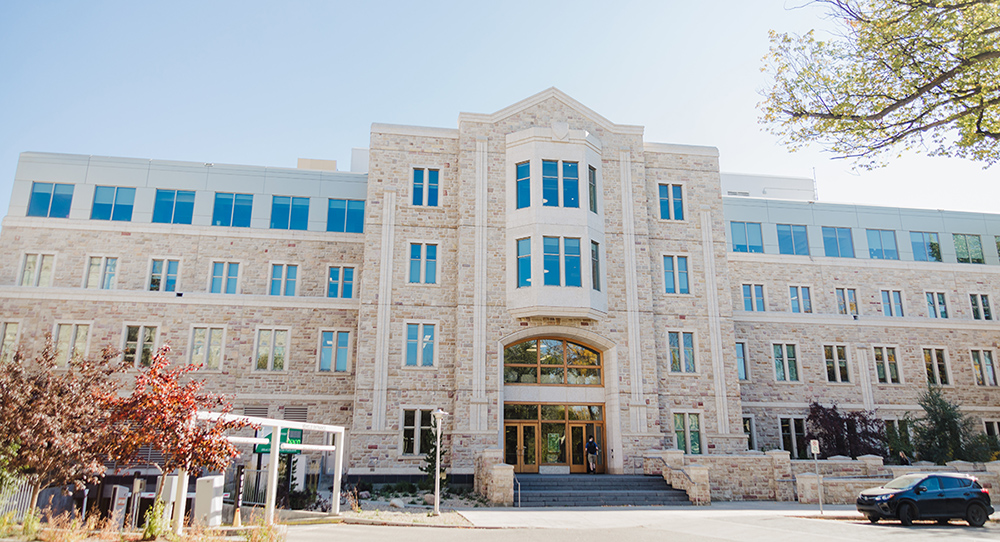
362, 521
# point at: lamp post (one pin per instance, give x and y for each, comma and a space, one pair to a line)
438, 417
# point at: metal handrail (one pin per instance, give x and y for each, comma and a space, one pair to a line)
518, 482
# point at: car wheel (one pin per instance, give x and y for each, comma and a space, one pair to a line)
976, 515
873, 518
905, 514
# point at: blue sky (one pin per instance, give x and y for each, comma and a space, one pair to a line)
265, 83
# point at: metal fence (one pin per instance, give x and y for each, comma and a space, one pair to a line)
254, 486
16, 498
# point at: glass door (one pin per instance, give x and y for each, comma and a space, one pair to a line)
580, 434
521, 446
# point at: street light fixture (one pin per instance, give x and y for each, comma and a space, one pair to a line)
438, 417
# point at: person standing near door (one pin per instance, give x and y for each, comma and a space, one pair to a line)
592, 456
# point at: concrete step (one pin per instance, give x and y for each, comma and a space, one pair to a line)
537, 490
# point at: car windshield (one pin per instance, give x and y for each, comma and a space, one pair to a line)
904, 482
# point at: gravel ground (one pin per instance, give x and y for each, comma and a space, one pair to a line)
380, 511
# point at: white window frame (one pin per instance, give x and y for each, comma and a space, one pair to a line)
417, 428
670, 201
995, 424
794, 442
885, 362
674, 256
752, 441
784, 354
225, 274
902, 303
208, 341
847, 301
284, 278
62, 359
138, 349
937, 372
762, 302
333, 358
423, 200
36, 275
7, 354
838, 378
796, 303
683, 359
423, 262
687, 430
102, 273
979, 296
270, 357
983, 374
560, 187
163, 275
340, 282
421, 343
937, 304
746, 361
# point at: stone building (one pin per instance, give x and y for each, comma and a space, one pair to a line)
540, 273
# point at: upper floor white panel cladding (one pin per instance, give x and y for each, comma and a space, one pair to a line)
555, 225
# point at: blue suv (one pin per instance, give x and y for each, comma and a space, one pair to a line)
937, 496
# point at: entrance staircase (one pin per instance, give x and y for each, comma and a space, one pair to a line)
596, 490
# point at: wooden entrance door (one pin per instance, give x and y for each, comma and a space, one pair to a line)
520, 443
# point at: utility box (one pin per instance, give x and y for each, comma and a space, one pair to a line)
168, 494
119, 503
208, 501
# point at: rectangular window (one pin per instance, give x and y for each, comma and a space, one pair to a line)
675, 274
551, 266
206, 347
926, 247
592, 184
71, 342
886, 366
753, 297
571, 258
423, 263
741, 361
672, 202
550, 183
982, 366
51, 200
892, 303
429, 196
837, 242
420, 345
836, 363
232, 210
750, 431
333, 351
173, 207
793, 437
936, 306
595, 265
418, 431
747, 237
571, 184
139, 344
993, 430
8, 341
981, 307
289, 213
37, 270
345, 215
681, 345
283, 278
524, 262
800, 298
272, 349
340, 282
792, 239
882, 245
225, 277
163, 275
101, 272
687, 430
968, 248
112, 203
847, 301
568, 176
523, 185
786, 365
936, 365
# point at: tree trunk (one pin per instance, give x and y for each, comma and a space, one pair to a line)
36, 489
180, 500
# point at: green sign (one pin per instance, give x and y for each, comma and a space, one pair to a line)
291, 436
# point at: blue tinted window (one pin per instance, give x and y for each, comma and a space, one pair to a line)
50, 200
412, 340
345, 215
163, 209
882, 245
837, 242
104, 201
289, 213
62, 199
418, 187
550, 261
342, 338
926, 247
678, 203
41, 197
665, 202
746, 237
432, 187
430, 270
184, 207
124, 200
222, 212
416, 256
792, 239
300, 214
326, 351
347, 290
242, 209
355, 216
571, 184
550, 183
682, 275
523, 262
669, 279
523, 185
571, 247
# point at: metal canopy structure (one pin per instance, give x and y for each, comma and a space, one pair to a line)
335, 444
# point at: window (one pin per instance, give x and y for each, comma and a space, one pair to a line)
936, 306
982, 366
112, 203
418, 431
993, 430
592, 184
340, 282
681, 344
741, 361
672, 203
37, 270
101, 273
847, 301
886, 366
333, 351
225, 277
139, 344
523, 185
163, 275
837, 242
892, 303
571, 247
568, 176
836, 363
173, 207
232, 210
936, 365
345, 215
425, 178
595, 265
882, 245
283, 278
800, 298
998, 244
750, 431
50, 199
272, 349
675, 274
897, 430
552, 270
687, 430
968, 248
786, 365
423, 263
288, 213
8, 341
524, 262
746, 237
551, 361
420, 345
554, 262
70, 341
753, 297
981, 307
926, 247
793, 437
206, 347
792, 239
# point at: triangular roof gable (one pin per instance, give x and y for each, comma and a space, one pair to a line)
551, 92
